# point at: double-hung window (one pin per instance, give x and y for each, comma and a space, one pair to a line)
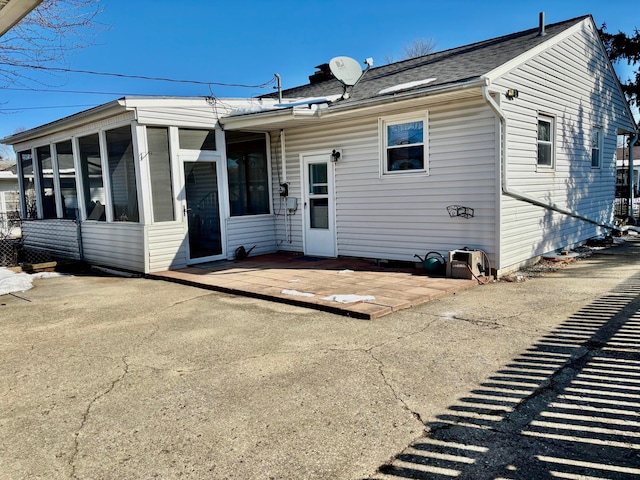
404, 144
596, 147
546, 140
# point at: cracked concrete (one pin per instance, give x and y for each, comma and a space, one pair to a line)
133, 378
85, 416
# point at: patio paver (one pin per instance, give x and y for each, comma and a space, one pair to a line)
284, 277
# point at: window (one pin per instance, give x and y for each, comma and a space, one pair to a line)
160, 171
596, 147
546, 135
45, 175
191, 139
248, 173
67, 171
28, 185
404, 145
124, 195
90, 163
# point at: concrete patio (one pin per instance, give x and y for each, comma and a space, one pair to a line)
321, 284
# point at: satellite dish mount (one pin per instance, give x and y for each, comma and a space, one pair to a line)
348, 72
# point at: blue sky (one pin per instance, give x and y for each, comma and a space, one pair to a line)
247, 41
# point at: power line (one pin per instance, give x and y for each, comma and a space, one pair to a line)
139, 77
17, 109
46, 90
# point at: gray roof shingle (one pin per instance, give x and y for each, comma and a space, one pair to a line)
456, 65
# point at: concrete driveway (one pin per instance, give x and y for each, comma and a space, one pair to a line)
110, 378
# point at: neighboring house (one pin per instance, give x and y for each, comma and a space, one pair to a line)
507, 146
9, 199
622, 164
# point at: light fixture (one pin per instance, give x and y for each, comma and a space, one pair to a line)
335, 155
511, 93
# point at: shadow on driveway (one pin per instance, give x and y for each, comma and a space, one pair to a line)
569, 407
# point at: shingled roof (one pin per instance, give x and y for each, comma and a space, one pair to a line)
454, 66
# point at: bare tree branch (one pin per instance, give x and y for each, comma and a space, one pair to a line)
417, 48
47, 36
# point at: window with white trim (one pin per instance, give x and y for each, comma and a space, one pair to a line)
546, 140
596, 147
403, 144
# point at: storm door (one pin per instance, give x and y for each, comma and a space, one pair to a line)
319, 230
202, 209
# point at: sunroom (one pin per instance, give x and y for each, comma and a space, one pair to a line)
145, 184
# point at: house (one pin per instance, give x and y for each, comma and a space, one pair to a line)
625, 196
505, 146
622, 164
9, 199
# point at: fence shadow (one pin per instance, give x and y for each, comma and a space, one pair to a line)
568, 407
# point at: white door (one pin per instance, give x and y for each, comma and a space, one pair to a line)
202, 211
319, 211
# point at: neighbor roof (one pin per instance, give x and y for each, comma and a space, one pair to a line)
455, 66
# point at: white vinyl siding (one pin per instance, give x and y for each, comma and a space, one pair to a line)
250, 231
118, 245
166, 246
56, 237
567, 81
397, 217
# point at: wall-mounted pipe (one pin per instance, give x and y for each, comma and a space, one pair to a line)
632, 213
507, 190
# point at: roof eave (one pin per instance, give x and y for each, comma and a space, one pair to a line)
63, 123
293, 117
14, 11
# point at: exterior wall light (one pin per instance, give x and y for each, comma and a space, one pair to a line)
511, 94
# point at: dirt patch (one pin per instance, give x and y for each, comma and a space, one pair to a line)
546, 266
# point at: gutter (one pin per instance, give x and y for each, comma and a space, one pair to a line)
522, 196
249, 120
58, 125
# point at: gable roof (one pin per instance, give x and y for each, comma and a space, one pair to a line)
454, 66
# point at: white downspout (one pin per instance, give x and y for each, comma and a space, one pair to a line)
632, 213
505, 177
283, 160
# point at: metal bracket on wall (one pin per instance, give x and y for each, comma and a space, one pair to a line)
460, 211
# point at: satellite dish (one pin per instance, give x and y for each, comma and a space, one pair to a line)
346, 69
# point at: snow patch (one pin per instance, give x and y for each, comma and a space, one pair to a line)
345, 271
406, 86
296, 293
11, 281
349, 298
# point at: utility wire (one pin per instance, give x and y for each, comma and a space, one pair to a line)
139, 77
47, 90
17, 109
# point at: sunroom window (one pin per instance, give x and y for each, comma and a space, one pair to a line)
192, 139
247, 173
404, 144
28, 184
90, 162
67, 173
122, 174
47, 188
160, 171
